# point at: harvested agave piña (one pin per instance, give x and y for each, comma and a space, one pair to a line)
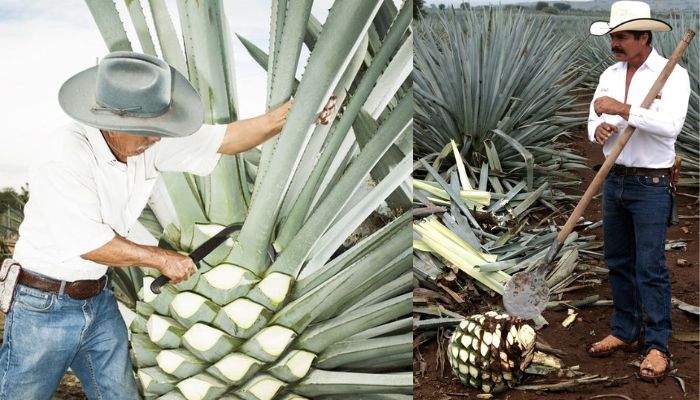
491, 351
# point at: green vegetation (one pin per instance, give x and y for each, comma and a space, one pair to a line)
298, 305
504, 101
11, 207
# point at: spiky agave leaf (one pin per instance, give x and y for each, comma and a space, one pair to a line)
245, 326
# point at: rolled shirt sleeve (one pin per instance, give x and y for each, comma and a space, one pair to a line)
196, 154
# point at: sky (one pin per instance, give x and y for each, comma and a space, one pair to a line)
45, 42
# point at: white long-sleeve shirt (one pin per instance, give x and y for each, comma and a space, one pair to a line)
652, 144
82, 197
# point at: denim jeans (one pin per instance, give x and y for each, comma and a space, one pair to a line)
46, 333
636, 210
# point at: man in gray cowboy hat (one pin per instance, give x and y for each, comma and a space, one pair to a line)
136, 117
636, 195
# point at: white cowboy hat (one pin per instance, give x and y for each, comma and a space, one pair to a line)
133, 93
629, 16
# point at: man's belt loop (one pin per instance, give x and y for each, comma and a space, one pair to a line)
62, 290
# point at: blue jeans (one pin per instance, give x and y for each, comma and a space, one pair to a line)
636, 211
47, 333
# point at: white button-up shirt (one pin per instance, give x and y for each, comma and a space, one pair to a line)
652, 144
81, 197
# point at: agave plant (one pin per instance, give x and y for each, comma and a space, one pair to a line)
476, 85
288, 309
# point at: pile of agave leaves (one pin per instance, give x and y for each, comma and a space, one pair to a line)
488, 235
468, 241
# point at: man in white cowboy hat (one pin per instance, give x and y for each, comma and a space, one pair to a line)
136, 117
636, 195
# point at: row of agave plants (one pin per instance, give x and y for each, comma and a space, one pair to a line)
476, 84
289, 308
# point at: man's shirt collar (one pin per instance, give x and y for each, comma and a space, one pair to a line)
654, 62
99, 145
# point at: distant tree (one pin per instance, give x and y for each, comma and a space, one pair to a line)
418, 8
441, 6
550, 10
541, 5
464, 6
10, 198
562, 6
11, 207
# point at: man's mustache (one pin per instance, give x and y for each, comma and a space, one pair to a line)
614, 50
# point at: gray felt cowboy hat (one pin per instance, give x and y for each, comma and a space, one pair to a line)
629, 16
133, 93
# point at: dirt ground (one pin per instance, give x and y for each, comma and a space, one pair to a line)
593, 324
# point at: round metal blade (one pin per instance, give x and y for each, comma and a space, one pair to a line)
526, 295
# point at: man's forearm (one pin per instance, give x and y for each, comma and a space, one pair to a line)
120, 252
245, 134
610, 106
624, 111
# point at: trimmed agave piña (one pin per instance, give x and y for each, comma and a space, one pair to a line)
278, 312
491, 351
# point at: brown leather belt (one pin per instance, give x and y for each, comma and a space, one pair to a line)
622, 170
78, 290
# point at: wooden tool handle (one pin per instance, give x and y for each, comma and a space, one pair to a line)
597, 182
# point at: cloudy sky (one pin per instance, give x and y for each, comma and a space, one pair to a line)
44, 42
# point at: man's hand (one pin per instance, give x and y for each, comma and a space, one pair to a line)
603, 132
325, 115
176, 266
610, 106
245, 134
120, 252
277, 117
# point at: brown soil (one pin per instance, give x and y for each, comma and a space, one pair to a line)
593, 324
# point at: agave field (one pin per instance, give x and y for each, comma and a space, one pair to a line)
298, 305
501, 98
